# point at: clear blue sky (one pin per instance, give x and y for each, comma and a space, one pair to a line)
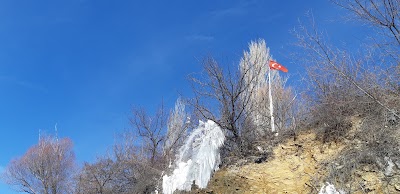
83, 63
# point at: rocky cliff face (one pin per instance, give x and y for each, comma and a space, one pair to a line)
291, 169
299, 166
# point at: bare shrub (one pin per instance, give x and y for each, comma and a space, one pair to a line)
340, 85
370, 151
343, 86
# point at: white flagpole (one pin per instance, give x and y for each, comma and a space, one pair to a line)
271, 106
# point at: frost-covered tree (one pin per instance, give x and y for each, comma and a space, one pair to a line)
254, 63
176, 132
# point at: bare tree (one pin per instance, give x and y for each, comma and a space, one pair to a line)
150, 129
137, 173
223, 97
334, 73
240, 96
139, 156
234, 98
383, 17
383, 14
128, 169
98, 178
46, 168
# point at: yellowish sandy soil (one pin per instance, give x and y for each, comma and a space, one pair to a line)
291, 170
296, 167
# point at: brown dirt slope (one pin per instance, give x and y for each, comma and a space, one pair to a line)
291, 170
300, 166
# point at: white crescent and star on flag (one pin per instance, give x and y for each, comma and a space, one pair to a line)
275, 65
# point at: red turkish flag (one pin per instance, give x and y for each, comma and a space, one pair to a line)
276, 66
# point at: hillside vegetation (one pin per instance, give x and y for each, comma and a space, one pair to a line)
302, 166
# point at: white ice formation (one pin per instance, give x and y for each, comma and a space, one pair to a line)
198, 158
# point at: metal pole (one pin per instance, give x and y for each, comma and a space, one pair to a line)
271, 106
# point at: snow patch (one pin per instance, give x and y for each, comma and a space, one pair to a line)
330, 189
198, 158
389, 168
